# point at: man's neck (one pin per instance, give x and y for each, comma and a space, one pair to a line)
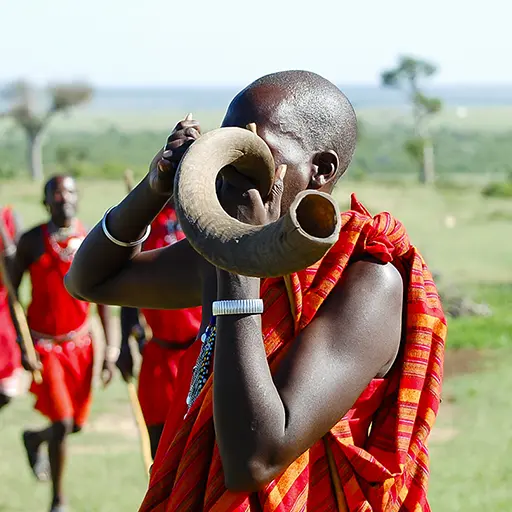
62, 224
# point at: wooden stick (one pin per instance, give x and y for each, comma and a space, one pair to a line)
26, 337
141, 426
128, 179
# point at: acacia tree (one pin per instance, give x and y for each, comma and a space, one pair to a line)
406, 76
24, 110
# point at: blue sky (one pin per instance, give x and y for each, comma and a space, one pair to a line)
152, 42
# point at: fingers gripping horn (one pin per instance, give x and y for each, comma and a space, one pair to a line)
297, 240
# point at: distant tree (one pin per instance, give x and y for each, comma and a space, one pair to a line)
23, 97
406, 76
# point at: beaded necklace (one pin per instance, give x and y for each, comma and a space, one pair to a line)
202, 368
65, 235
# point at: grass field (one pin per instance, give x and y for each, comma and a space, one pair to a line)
457, 253
471, 469
480, 118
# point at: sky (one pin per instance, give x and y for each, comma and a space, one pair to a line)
232, 42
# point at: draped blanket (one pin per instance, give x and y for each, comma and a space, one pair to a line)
375, 459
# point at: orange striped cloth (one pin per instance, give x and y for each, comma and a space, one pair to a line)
375, 458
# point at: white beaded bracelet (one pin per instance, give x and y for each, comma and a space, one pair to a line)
237, 307
112, 354
10, 250
106, 232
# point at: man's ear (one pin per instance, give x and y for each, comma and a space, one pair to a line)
325, 167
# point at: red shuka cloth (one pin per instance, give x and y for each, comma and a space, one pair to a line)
158, 378
10, 355
354, 468
59, 325
52, 310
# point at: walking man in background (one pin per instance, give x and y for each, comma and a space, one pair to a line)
60, 330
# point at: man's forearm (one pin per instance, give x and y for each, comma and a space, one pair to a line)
129, 319
16, 325
98, 258
248, 412
104, 312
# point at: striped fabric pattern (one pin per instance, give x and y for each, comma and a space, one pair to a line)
388, 470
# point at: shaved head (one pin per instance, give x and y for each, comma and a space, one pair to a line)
304, 108
61, 199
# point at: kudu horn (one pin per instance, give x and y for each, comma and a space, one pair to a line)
297, 240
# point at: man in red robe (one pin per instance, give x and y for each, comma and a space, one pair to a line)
323, 402
60, 330
10, 356
173, 332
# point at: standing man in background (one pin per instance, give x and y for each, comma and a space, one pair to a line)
60, 330
10, 357
174, 331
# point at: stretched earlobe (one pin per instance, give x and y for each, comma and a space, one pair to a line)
326, 166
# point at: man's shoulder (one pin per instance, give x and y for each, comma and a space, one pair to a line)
374, 273
31, 239
369, 300
33, 232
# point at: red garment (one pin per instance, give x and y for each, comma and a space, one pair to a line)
158, 377
176, 325
159, 382
53, 311
59, 326
175, 416
387, 470
10, 356
65, 391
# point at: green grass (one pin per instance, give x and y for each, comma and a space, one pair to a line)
477, 250
105, 472
485, 332
479, 118
471, 465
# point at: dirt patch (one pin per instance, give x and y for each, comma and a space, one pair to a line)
93, 449
114, 424
464, 360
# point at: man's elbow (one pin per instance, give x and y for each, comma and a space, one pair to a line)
74, 288
248, 477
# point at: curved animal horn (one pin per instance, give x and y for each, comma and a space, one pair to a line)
297, 240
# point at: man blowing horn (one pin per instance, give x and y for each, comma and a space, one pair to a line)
315, 391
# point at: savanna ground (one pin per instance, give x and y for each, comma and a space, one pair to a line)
472, 441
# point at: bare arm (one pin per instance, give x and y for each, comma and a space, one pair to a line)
165, 278
9, 245
105, 314
105, 273
354, 338
26, 252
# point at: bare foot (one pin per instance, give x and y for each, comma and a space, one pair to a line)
58, 505
37, 460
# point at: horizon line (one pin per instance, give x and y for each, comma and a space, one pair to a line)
200, 85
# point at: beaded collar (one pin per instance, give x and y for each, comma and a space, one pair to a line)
202, 368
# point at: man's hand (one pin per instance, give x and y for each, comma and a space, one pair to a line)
125, 363
166, 162
107, 372
241, 199
30, 365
